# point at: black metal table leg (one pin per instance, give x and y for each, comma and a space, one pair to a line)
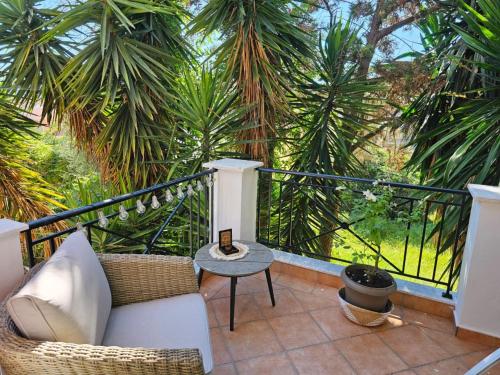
270, 286
200, 277
234, 280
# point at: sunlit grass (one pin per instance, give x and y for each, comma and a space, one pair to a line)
393, 249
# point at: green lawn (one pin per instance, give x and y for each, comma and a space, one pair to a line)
393, 249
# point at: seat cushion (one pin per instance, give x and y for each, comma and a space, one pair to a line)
68, 300
178, 322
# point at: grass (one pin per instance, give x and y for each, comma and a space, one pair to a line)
393, 249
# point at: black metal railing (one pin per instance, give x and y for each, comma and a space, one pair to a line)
168, 218
308, 214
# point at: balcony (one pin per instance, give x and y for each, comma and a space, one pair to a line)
306, 332
429, 331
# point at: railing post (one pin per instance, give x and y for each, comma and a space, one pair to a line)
235, 197
478, 300
11, 260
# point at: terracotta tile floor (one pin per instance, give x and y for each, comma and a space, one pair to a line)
306, 333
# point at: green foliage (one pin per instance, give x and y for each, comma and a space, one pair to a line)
29, 67
336, 106
262, 49
378, 163
24, 194
455, 128
372, 216
335, 110
123, 82
208, 121
113, 91
54, 156
455, 124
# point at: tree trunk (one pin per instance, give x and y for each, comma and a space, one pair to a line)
326, 241
365, 61
372, 40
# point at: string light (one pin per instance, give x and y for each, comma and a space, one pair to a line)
155, 204
168, 196
180, 193
141, 208
209, 181
103, 220
122, 213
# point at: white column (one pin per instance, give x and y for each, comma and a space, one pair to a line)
11, 260
478, 300
235, 197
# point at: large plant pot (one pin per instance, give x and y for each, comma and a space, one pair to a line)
370, 297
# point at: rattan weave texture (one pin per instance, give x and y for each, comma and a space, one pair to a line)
132, 278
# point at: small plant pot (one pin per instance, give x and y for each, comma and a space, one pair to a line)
370, 295
362, 316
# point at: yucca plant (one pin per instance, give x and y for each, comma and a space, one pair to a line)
120, 80
336, 109
208, 120
29, 67
24, 194
262, 47
455, 124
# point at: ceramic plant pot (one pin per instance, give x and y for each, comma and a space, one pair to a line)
367, 287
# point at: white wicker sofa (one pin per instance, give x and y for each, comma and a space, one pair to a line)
82, 313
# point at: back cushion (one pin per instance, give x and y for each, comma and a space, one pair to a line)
68, 300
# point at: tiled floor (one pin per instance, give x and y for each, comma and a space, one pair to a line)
306, 333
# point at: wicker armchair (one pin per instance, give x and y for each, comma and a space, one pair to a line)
132, 278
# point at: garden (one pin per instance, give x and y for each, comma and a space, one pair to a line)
100, 98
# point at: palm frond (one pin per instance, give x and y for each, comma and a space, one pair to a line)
262, 44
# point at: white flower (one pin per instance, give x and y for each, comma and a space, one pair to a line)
340, 188
369, 196
375, 183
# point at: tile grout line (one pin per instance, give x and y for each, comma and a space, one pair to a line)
275, 337
264, 319
457, 357
308, 309
333, 342
392, 350
437, 343
285, 351
434, 341
226, 345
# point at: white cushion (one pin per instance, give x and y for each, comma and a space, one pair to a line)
178, 322
68, 300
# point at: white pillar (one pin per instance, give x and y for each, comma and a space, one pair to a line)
235, 197
478, 300
11, 260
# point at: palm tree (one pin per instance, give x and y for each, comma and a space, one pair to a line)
24, 195
455, 123
28, 67
118, 83
207, 120
336, 109
454, 126
262, 44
